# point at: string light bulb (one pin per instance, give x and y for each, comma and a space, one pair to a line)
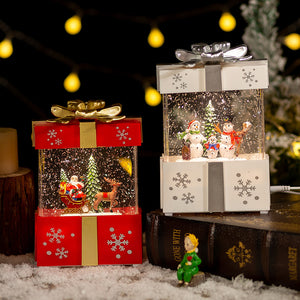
73, 25
292, 41
72, 83
152, 96
155, 38
6, 48
227, 22
296, 148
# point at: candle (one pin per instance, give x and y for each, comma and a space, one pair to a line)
8, 151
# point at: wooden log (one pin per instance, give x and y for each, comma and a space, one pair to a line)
17, 208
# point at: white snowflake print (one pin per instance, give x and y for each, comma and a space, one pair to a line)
117, 242
181, 180
55, 236
58, 141
61, 253
188, 198
122, 134
52, 133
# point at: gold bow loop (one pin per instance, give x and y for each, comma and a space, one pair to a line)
93, 109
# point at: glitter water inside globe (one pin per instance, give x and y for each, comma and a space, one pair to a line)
117, 164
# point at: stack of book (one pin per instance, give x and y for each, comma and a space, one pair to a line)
264, 247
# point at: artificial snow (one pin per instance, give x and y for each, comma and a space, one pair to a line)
21, 279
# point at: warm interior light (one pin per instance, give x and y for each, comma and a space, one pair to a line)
73, 25
126, 164
155, 38
6, 48
152, 96
72, 83
227, 22
292, 41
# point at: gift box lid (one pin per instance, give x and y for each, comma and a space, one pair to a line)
240, 75
212, 68
87, 134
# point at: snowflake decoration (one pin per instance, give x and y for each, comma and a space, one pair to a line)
177, 81
122, 134
55, 236
177, 77
183, 86
61, 253
52, 133
58, 141
117, 242
188, 198
248, 77
181, 180
244, 188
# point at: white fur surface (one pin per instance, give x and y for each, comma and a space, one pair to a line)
21, 279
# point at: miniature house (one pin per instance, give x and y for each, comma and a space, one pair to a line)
213, 112
88, 210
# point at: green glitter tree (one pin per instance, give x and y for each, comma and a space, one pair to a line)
92, 186
210, 120
63, 176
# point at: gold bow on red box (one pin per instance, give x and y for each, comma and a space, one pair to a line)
93, 109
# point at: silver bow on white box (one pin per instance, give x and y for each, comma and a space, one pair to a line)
212, 54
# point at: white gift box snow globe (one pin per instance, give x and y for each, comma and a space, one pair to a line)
213, 112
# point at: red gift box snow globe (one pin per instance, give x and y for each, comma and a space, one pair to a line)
88, 210
214, 156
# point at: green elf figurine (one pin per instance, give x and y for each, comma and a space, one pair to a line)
189, 265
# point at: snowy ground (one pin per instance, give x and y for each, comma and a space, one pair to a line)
21, 279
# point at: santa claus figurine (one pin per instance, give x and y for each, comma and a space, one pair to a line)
193, 136
74, 188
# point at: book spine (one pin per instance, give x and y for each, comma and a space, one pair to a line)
226, 250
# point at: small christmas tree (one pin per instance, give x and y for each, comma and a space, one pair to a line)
63, 176
210, 120
92, 181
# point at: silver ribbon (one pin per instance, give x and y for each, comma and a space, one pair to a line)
212, 54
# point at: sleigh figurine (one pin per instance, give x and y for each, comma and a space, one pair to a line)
74, 204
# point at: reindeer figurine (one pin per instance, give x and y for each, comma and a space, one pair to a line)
108, 196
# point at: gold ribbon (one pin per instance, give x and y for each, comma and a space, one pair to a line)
89, 254
93, 109
88, 136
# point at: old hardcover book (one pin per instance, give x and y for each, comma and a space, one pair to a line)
263, 247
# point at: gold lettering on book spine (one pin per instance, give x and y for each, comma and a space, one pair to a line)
240, 255
176, 245
293, 263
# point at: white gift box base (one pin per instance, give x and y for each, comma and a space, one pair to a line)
219, 185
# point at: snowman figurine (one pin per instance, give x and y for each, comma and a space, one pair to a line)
230, 139
212, 147
195, 138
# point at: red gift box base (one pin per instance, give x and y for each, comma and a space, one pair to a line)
58, 240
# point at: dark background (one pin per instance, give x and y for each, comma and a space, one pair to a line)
114, 60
